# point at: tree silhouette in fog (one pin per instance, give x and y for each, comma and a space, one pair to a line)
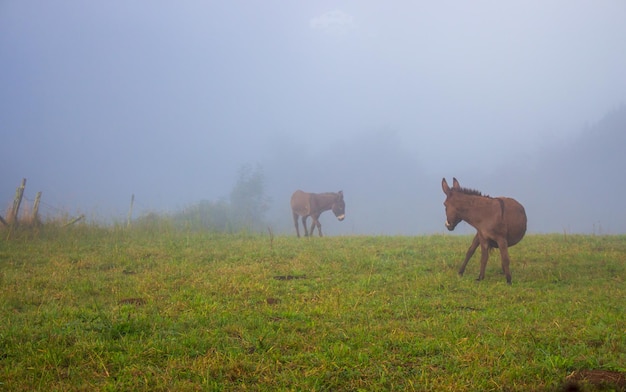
244, 209
248, 201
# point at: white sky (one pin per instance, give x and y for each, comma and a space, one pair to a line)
167, 100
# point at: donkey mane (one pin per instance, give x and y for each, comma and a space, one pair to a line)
468, 191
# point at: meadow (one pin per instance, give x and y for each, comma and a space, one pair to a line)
157, 309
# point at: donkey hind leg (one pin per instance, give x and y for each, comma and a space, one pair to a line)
504, 255
306, 231
469, 254
484, 256
296, 223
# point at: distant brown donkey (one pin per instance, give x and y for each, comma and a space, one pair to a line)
313, 204
500, 222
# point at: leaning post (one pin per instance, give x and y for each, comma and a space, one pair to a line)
19, 193
78, 218
35, 218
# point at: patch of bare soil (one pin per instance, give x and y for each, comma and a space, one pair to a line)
272, 301
132, 301
289, 277
601, 379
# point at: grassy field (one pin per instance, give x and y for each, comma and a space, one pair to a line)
114, 309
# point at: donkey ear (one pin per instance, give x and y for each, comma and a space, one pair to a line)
340, 194
444, 186
455, 183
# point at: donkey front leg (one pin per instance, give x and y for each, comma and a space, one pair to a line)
469, 254
316, 222
306, 230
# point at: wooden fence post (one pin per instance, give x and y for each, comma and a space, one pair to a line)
19, 193
35, 219
130, 211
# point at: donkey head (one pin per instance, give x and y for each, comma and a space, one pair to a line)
339, 206
452, 212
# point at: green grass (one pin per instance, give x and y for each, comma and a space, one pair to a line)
113, 309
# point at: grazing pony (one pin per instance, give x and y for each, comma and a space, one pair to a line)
313, 204
500, 222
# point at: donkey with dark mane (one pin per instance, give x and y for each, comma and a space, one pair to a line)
500, 222
313, 204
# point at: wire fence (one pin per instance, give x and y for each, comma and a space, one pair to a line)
45, 211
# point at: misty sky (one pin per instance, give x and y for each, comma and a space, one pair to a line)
167, 100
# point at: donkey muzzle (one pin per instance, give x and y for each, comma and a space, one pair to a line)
341, 217
449, 226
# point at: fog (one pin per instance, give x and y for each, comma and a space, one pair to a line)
167, 101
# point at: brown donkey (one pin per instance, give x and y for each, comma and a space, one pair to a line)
313, 204
500, 222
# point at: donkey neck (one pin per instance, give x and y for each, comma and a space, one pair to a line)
477, 208
325, 201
